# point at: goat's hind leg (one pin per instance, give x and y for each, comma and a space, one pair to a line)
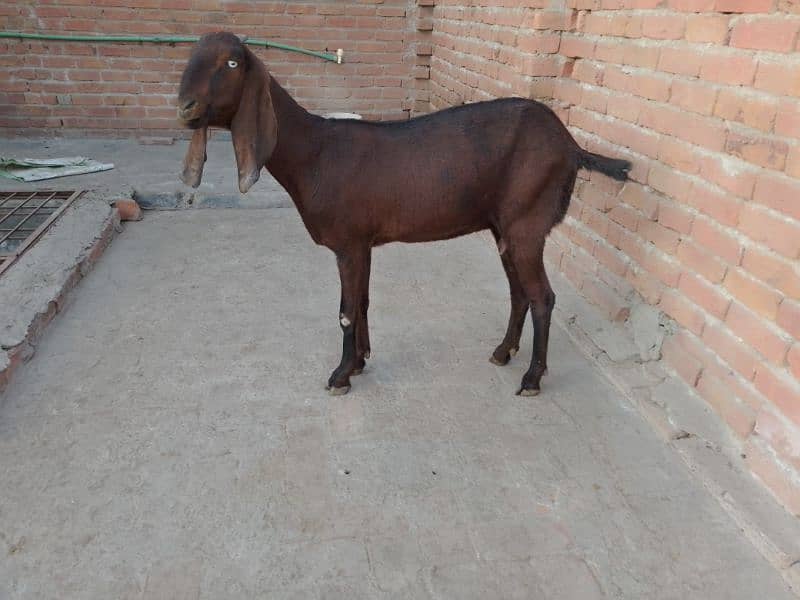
529, 262
353, 272
362, 324
519, 307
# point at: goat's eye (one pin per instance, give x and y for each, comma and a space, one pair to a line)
233, 64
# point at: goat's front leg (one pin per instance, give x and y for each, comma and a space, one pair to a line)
353, 269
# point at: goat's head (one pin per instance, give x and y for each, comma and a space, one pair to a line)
226, 85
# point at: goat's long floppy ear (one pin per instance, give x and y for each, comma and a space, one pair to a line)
195, 158
254, 128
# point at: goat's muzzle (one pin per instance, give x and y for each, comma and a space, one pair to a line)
188, 111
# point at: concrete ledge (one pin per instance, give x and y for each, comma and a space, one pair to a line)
35, 289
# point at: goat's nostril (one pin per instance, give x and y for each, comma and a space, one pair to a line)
188, 105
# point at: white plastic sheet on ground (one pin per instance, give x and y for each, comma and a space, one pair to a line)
36, 169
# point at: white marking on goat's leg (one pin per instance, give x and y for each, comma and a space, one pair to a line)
501, 246
344, 320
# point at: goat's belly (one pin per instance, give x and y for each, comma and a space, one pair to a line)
426, 231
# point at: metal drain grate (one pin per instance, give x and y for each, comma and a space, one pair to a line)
24, 217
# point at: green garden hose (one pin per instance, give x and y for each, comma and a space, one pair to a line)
337, 58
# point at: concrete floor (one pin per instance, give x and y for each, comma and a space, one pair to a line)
172, 439
150, 172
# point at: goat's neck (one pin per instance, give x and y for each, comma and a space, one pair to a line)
293, 162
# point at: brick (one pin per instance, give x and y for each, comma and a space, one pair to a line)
668, 182
663, 26
576, 47
776, 34
699, 6
773, 475
593, 196
609, 51
739, 417
641, 56
675, 217
787, 120
760, 150
774, 232
779, 193
781, 390
788, 317
707, 28
706, 132
789, 6
704, 294
678, 154
128, 210
743, 6
624, 107
567, 91
738, 356
663, 238
752, 293
644, 200
652, 87
681, 352
774, 270
729, 173
701, 261
722, 207
661, 265
740, 105
778, 78
588, 72
680, 61
792, 168
731, 69
754, 330
781, 435
793, 360
696, 97
717, 240
611, 258
682, 310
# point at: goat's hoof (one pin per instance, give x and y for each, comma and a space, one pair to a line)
367, 355
338, 391
500, 359
528, 392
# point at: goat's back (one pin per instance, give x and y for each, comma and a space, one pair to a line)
443, 174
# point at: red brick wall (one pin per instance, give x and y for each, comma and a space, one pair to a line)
703, 97
130, 88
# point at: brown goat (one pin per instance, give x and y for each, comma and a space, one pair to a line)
507, 165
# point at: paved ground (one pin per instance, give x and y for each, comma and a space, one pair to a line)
172, 439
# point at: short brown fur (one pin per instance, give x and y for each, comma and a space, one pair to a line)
507, 165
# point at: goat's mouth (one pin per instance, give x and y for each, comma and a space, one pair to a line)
192, 114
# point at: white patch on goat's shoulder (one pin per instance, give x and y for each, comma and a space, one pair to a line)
344, 321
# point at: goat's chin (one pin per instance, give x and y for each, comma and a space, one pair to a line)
193, 124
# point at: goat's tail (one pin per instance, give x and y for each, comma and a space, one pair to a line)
613, 167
